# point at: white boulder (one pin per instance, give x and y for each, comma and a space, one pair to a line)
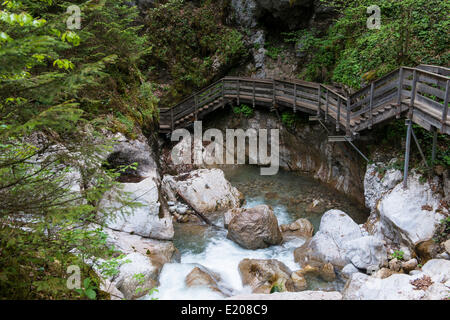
366, 252
340, 241
143, 220
376, 184
430, 284
205, 190
137, 276
410, 215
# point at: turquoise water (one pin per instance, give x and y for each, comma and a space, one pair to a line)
290, 195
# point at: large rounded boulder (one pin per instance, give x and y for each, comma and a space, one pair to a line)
255, 228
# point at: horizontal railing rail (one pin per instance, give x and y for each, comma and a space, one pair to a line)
423, 91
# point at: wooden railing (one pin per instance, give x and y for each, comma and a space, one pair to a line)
423, 91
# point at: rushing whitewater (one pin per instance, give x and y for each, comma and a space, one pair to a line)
210, 248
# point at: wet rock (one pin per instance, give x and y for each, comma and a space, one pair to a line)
261, 275
348, 270
271, 195
311, 270
229, 215
181, 210
427, 249
395, 265
255, 228
299, 228
298, 278
205, 190
327, 272
314, 207
202, 277
383, 273
409, 265
143, 220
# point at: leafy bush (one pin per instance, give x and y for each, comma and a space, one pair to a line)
288, 119
244, 110
398, 254
272, 51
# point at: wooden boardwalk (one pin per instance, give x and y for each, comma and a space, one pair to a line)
421, 93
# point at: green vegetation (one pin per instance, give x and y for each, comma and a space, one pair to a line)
288, 119
61, 89
412, 32
58, 90
398, 254
188, 43
390, 138
244, 110
272, 51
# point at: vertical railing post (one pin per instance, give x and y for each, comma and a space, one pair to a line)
408, 147
195, 106
273, 93
238, 92
171, 118
399, 93
348, 132
445, 110
372, 87
326, 106
223, 89
413, 89
338, 117
433, 150
319, 93
253, 94
295, 97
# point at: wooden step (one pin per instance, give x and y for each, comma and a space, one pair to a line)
339, 139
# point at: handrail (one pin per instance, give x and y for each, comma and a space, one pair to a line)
350, 112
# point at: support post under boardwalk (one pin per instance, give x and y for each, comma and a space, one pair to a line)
433, 151
408, 149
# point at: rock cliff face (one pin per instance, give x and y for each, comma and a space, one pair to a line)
305, 149
287, 14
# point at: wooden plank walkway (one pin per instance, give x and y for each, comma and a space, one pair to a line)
422, 93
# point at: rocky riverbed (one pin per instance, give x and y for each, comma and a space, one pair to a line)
213, 234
